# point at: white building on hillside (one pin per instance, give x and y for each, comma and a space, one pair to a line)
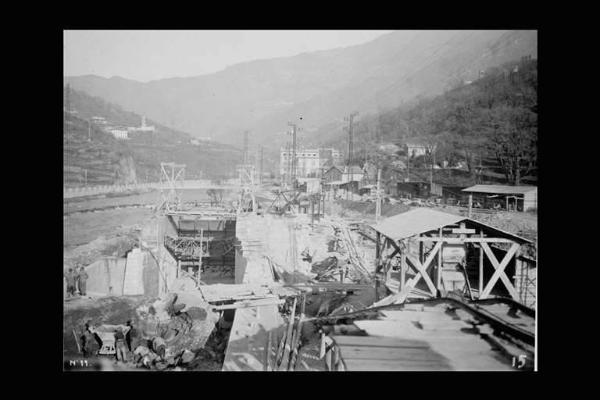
142, 128
99, 120
119, 133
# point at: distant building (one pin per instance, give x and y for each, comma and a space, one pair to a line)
195, 142
415, 149
119, 133
517, 198
370, 173
99, 120
330, 156
333, 174
352, 174
142, 128
309, 162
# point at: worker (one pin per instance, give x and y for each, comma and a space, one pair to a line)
132, 337
82, 278
89, 343
159, 346
120, 345
70, 277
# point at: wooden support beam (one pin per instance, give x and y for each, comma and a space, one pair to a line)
421, 269
499, 273
480, 267
248, 304
267, 364
377, 262
288, 340
438, 275
463, 230
465, 240
403, 267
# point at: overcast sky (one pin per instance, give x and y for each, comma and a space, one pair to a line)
149, 55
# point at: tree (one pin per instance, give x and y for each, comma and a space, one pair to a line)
512, 134
216, 196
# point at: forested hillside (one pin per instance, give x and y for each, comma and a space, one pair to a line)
93, 156
322, 86
489, 124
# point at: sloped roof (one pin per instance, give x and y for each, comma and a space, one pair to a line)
330, 166
500, 189
353, 169
414, 222
422, 219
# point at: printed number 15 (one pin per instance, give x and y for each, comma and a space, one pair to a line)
520, 362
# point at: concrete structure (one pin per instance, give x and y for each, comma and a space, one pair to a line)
137, 274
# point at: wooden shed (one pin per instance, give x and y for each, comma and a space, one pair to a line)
427, 253
521, 198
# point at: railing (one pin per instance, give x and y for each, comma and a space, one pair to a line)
103, 189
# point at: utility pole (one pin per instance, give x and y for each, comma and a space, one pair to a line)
260, 178
407, 164
288, 152
350, 119
432, 150
378, 204
293, 174
245, 156
89, 131
85, 177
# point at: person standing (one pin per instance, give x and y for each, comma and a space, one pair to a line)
89, 343
132, 337
82, 278
120, 345
70, 277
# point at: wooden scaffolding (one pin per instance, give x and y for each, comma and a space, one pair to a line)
424, 246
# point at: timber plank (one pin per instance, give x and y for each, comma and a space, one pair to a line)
390, 353
390, 365
379, 341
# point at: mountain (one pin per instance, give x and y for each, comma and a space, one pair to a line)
91, 154
321, 87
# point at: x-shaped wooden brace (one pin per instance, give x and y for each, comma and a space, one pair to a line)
421, 269
499, 271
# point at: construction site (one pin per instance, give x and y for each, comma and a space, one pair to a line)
367, 203
248, 276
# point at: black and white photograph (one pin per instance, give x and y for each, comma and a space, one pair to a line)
300, 200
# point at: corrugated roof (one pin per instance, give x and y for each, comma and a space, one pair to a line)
420, 220
415, 221
501, 189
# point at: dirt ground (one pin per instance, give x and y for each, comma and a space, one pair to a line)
79, 229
